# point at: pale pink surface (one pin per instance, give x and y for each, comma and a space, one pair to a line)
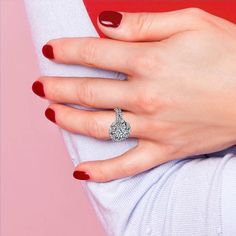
39, 196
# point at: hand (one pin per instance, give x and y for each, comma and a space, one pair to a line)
180, 95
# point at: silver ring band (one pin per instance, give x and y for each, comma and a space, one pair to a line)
119, 129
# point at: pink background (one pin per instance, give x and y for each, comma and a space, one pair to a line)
39, 196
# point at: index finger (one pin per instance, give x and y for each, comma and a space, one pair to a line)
93, 52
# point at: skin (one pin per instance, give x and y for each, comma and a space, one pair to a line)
179, 98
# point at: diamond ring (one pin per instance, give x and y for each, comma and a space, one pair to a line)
119, 129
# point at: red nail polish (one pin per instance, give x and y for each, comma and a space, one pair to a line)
50, 114
47, 51
37, 88
110, 18
81, 175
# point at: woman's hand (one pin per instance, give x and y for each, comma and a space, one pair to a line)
180, 96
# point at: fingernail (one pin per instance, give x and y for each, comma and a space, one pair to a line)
50, 114
81, 175
37, 88
47, 51
110, 18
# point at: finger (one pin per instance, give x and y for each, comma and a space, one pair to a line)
92, 92
91, 51
149, 26
138, 159
94, 123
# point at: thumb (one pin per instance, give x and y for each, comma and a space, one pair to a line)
149, 26
134, 161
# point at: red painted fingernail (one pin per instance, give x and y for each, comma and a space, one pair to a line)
50, 114
37, 88
47, 51
110, 18
81, 175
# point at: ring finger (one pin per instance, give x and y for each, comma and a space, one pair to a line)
94, 123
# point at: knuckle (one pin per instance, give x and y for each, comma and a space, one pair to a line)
195, 12
88, 52
94, 129
127, 168
143, 22
85, 94
195, 17
147, 102
105, 172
